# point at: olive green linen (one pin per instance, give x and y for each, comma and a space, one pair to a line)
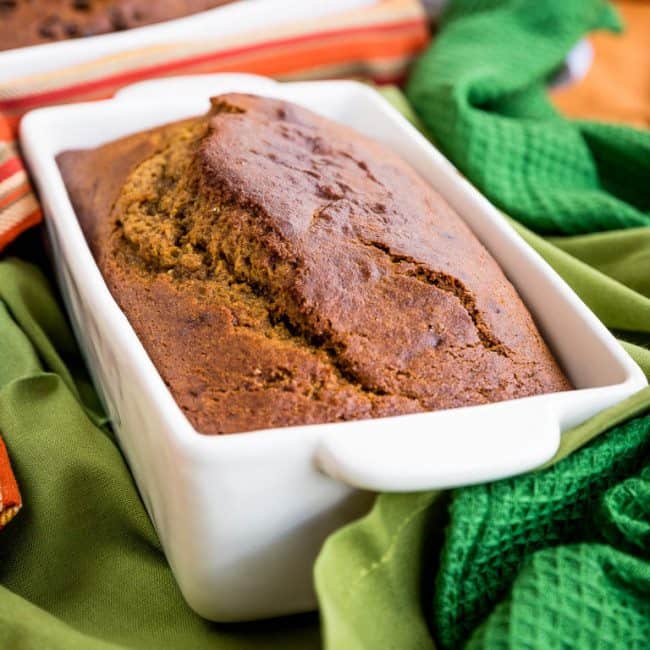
620, 255
370, 574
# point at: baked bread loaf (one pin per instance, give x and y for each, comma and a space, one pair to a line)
33, 22
282, 269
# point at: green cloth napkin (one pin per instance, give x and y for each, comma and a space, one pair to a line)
480, 92
552, 558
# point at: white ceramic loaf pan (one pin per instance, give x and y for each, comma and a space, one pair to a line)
242, 517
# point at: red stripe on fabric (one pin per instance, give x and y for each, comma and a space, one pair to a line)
10, 167
123, 78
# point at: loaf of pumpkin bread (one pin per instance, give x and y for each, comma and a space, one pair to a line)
282, 269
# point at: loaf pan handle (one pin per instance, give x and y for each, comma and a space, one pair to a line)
441, 449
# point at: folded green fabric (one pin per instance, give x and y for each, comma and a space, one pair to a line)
560, 588
495, 528
548, 610
604, 253
480, 92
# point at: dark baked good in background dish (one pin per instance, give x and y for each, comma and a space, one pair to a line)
34, 22
282, 269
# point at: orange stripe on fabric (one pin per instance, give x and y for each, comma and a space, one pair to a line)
13, 196
271, 64
12, 122
12, 182
5, 131
18, 210
10, 499
382, 12
324, 53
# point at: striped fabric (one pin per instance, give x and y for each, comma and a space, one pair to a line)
19, 208
376, 42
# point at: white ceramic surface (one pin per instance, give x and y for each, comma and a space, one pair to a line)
236, 18
242, 517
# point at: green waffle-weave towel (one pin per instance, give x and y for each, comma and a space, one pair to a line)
481, 93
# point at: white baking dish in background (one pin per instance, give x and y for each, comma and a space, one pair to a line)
242, 517
221, 22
